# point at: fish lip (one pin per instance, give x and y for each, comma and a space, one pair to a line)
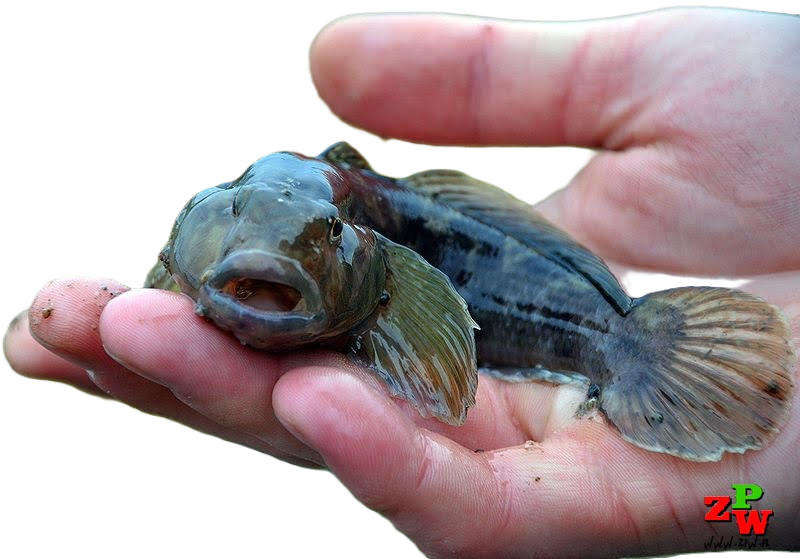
260, 328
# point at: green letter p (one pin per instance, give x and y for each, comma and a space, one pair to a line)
746, 492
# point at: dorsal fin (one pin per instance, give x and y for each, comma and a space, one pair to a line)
342, 152
497, 208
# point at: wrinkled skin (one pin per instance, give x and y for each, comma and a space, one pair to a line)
699, 175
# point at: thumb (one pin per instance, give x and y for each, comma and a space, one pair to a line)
431, 488
510, 502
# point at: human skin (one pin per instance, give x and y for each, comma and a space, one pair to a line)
697, 122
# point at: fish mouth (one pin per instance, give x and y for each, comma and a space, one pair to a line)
266, 300
265, 295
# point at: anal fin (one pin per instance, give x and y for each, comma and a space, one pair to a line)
534, 374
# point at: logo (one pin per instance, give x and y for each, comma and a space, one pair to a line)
748, 520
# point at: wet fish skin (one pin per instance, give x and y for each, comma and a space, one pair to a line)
531, 308
273, 258
259, 229
694, 372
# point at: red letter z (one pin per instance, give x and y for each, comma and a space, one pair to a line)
718, 512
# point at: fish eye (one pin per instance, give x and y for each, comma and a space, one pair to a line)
335, 231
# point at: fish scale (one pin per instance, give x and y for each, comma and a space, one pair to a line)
530, 311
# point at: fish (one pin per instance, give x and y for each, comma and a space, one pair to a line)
430, 279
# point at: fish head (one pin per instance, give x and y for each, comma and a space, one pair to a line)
271, 258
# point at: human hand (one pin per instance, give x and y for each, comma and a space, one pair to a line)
513, 498
697, 174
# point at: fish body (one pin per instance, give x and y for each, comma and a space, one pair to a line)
533, 306
692, 372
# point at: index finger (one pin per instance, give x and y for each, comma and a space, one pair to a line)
449, 79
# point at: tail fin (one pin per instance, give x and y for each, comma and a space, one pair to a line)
699, 371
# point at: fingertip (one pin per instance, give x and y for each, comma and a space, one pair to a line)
30, 359
23, 353
476, 80
137, 307
157, 334
14, 337
341, 416
145, 318
64, 315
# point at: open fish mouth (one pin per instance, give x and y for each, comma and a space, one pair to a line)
266, 296
268, 301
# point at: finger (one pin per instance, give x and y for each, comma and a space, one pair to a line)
157, 335
30, 359
444, 497
64, 318
432, 488
386, 461
481, 81
684, 185
67, 307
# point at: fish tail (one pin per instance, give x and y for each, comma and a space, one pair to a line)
699, 371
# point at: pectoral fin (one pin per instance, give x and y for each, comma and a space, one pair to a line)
159, 278
421, 340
